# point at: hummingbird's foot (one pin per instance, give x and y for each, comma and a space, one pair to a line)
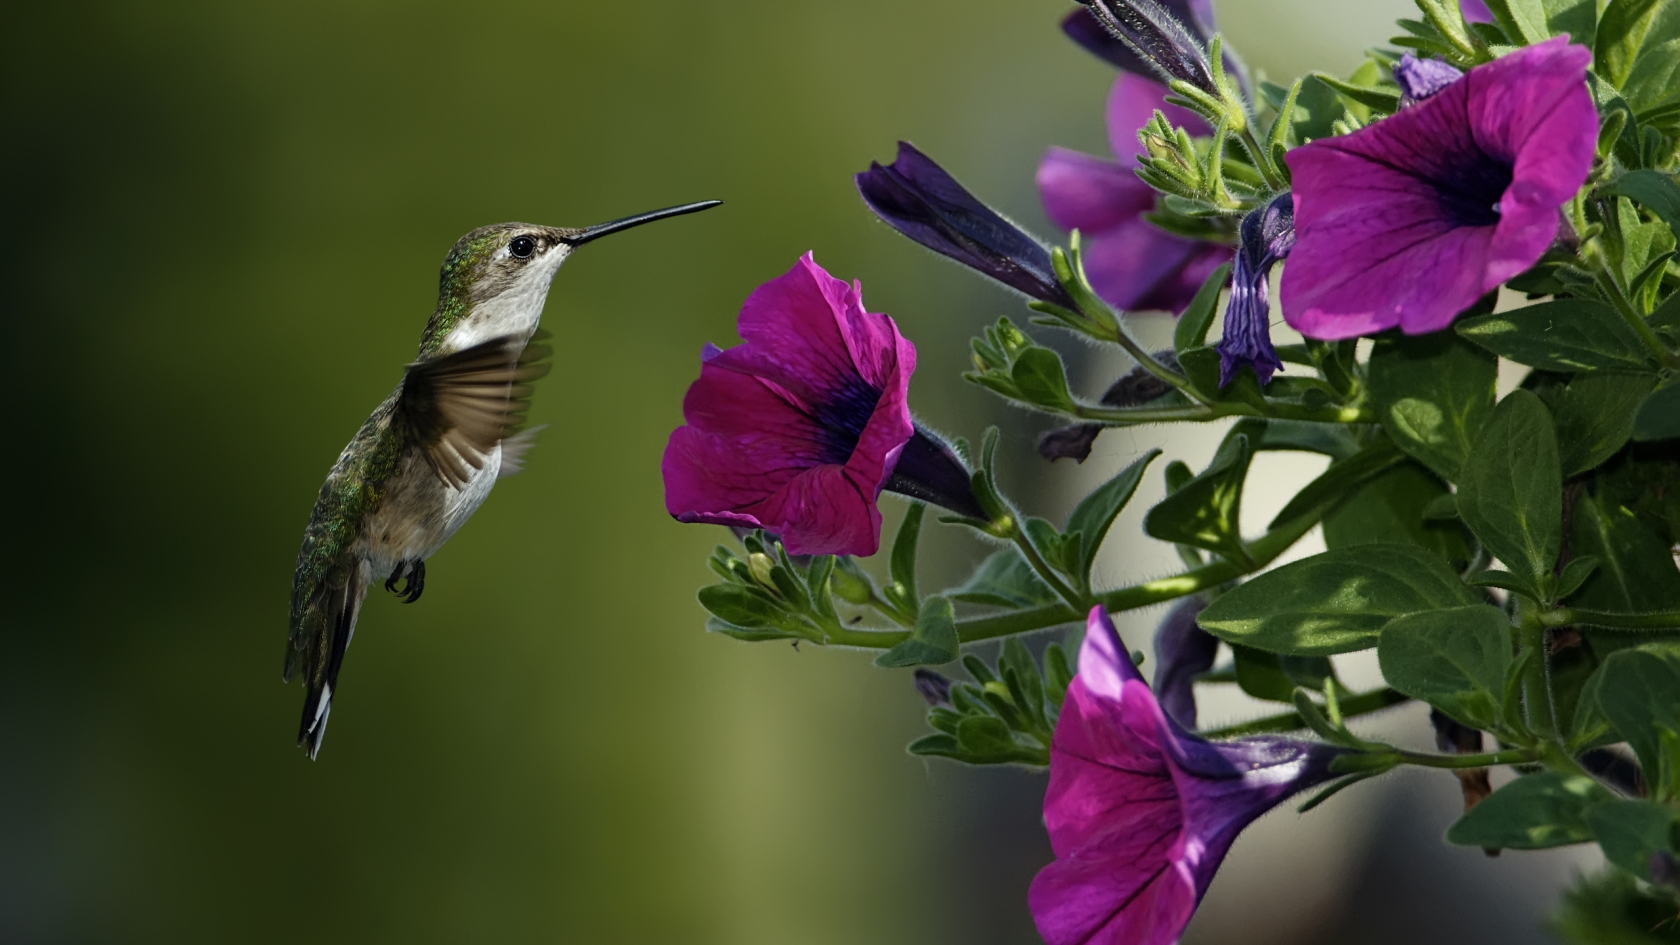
415, 572
416, 581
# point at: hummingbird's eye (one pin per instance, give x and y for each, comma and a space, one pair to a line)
522, 247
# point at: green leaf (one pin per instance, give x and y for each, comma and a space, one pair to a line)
1205, 511
751, 634
903, 566
1653, 190
1005, 579
1274, 678
1577, 18
1394, 507
1636, 572
1092, 517
1334, 602
1039, 376
743, 606
1531, 813
1511, 492
1385, 100
933, 640
1340, 480
1637, 694
1432, 394
1455, 660
1201, 369
1629, 832
1332, 439
1621, 32
1316, 109
1563, 335
1193, 325
1575, 573
1658, 417
1524, 20
1593, 413
1588, 725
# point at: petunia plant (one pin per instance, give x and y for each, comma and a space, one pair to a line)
1495, 186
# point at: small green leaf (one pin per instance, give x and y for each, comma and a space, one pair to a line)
1575, 573
1594, 414
1274, 678
1386, 100
1317, 107
1629, 832
1636, 572
1637, 694
1193, 325
1039, 376
1588, 726
1564, 335
1527, 17
1621, 33
1092, 517
1432, 394
1005, 579
903, 566
1205, 511
1531, 813
1658, 417
1334, 602
1340, 481
1455, 660
1653, 190
932, 641
1395, 506
1511, 491
742, 606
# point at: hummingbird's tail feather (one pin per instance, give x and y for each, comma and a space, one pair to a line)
323, 655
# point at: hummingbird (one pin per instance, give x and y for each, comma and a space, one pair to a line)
428, 456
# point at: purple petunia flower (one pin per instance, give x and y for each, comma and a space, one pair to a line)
798, 429
1132, 264
1140, 812
916, 197
1268, 235
1409, 221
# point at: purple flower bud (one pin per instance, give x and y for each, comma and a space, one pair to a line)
916, 197
1410, 220
934, 688
1183, 651
1268, 234
1140, 812
1157, 37
930, 471
1083, 27
1421, 78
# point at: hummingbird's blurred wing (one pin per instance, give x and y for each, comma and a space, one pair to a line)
459, 406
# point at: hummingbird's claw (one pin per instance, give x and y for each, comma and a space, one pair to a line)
415, 572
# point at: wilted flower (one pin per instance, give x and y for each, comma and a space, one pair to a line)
1140, 812
1083, 27
1134, 389
1409, 221
1131, 263
1268, 235
1183, 651
916, 197
1167, 38
1422, 78
798, 429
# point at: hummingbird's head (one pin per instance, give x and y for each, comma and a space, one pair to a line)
495, 279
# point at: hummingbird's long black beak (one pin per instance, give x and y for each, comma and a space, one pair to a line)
579, 237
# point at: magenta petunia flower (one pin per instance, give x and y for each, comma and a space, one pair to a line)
798, 429
1183, 651
1409, 221
1131, 263
1140, 812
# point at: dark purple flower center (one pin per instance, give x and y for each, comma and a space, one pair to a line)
841, 418
1469, 194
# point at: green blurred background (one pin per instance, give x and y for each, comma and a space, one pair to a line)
222, 230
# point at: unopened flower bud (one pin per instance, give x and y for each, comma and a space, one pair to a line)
759, 565
849, 584
936, 689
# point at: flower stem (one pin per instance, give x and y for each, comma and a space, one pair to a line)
1567, 616
1537, 684
1048, 574
1510, 756
1362, 703
1129, 416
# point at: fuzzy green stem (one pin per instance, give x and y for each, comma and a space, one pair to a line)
1046, 573
1363, 703
1510, 756
1537, 684
1569, 616
1202, 414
